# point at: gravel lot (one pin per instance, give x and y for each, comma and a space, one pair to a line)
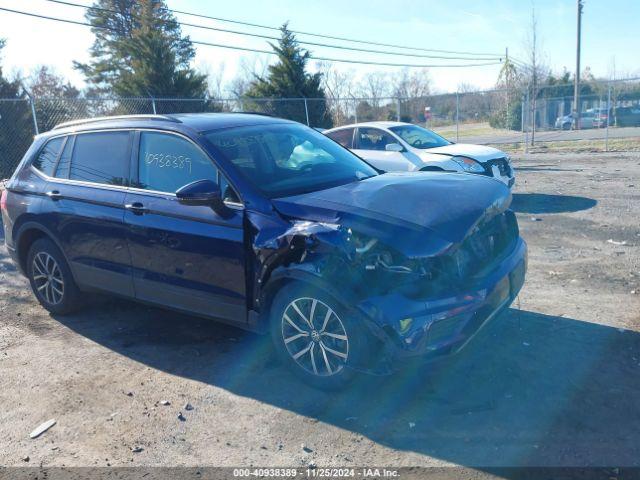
553, 381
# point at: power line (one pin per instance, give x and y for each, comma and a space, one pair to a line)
246, 49
315, 44
345, 39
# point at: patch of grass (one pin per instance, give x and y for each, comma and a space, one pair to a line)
470, 130
574, 146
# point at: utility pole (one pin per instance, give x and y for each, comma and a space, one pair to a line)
576, 87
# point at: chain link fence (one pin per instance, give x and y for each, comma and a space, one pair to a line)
608, 113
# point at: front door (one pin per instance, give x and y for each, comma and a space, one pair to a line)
185, 257
371, 143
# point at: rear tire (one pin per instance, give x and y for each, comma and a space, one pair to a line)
51, 279
314, 337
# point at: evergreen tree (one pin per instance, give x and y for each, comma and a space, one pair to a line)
139, 50
16, 123
509, 115
287, 78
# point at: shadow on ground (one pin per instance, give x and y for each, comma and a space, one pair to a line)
531, 389
546, 203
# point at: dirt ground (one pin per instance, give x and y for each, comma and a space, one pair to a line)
553, 381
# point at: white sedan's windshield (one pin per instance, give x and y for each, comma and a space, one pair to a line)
419, 137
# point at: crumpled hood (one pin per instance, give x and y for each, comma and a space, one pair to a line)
480, 153
418, 213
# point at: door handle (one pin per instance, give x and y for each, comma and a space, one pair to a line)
136, 208
54, 195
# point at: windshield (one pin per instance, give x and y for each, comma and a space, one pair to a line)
289, 159
419, 137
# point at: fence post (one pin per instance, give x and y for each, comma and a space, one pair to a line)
457, 116
525, 109
355, 110
398, 112
306, 111
153, 105
241, 105
606, 135
33, 112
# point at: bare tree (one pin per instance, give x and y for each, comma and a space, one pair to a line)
465, 87
411, 89
375, 86
248, 72
412, 84
535, 70
339, 89
336, 84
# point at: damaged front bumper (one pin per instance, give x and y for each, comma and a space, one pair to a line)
428, 328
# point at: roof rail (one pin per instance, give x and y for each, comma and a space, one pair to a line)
248, 112
84, 121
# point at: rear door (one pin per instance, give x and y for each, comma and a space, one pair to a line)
185, 257
370, 144
84, 208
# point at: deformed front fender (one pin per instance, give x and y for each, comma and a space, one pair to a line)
277, 243
307, 273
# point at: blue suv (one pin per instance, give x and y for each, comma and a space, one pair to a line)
268, 225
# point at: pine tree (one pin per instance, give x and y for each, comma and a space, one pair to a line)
287, 78
139, 50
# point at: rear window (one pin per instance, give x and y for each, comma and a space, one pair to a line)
48, 157
101, 157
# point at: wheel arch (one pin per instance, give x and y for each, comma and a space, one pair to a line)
26, 235
281, 277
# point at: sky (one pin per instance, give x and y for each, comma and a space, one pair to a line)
610, 41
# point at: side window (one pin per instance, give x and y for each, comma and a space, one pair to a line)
167, 162
64, 164
343, 137
228, 193
101, 157
46, 161
373, 139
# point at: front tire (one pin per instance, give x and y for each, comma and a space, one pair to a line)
314, 337
51, 279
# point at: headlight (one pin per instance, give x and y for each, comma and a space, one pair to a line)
374, 256
468, 164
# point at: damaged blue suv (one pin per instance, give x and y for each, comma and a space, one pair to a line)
268, 225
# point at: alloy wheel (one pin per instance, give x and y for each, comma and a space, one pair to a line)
315, 336
47, 277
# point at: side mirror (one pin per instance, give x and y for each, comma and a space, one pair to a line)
394, 147
202, 193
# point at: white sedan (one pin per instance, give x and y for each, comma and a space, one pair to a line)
402, 147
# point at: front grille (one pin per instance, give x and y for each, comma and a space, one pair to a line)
491, 241
459, 270
502, 164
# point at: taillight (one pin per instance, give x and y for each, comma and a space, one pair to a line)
3, 200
